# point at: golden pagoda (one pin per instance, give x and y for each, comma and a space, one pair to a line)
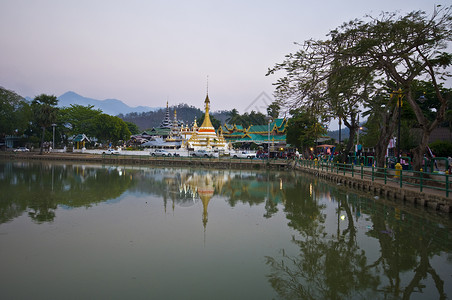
205, 136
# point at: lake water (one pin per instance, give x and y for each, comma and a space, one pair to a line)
71, 231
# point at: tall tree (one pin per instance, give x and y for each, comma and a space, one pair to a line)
234, 116
273, 110
320, 81
360, 57
79, 119
110, 129
15, 113
403, 49
45, 113
133, 128
302, 130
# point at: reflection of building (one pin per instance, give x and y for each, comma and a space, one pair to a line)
185, 187
204, 185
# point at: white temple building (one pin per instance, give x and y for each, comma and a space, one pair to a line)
205, 136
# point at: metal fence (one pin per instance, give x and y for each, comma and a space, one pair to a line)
421, 180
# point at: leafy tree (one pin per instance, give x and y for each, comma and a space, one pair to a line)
133, 128
273, 110
442, 148
255, 118
359, 59
110, 129
15, 113
302, 130
79, 119
45, 113
247, 119
234, 116
322, 82
403, 49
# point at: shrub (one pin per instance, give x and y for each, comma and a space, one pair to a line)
441, 148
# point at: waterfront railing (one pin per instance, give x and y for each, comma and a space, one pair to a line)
420, 180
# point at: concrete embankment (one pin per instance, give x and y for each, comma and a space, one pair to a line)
431, 198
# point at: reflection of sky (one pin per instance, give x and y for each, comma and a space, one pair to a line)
145, 241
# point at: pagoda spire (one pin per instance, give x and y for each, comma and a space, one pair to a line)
207, 123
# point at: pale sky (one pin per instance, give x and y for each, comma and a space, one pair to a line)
148, 52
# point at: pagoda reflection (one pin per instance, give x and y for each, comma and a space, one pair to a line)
185, 187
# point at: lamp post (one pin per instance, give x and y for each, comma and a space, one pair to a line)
357, 138
358, 153
53, 141
399, 95
268, 136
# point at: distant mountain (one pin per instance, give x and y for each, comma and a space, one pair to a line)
112, 107
345, 133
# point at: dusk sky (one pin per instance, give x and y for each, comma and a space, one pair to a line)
148, 52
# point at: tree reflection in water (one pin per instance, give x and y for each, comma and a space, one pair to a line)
39, 188
333, 259
333, 265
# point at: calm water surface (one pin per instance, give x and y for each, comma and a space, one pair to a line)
109, 232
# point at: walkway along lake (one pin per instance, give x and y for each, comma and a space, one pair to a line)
81, 230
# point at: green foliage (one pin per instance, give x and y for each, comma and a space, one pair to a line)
110, 129
273, 110
79, 119
133, 128
45, 110
152, 119
337, 76
303, 129
247, 119
45, 113
15, 113
441, 148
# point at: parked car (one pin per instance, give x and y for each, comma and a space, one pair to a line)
204, 153
243, 154
21, 149
111, 151
160, 152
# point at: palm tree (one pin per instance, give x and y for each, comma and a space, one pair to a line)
233, 116
45, 113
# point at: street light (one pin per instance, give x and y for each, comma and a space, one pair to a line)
357, 141
399, 95
53, 141
269, 119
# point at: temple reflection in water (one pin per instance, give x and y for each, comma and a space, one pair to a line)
184, 187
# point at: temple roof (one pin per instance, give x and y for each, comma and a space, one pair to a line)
81, 138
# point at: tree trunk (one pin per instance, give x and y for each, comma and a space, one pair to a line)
387, 128
418, 152
42, 139
426, 126
352, 126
